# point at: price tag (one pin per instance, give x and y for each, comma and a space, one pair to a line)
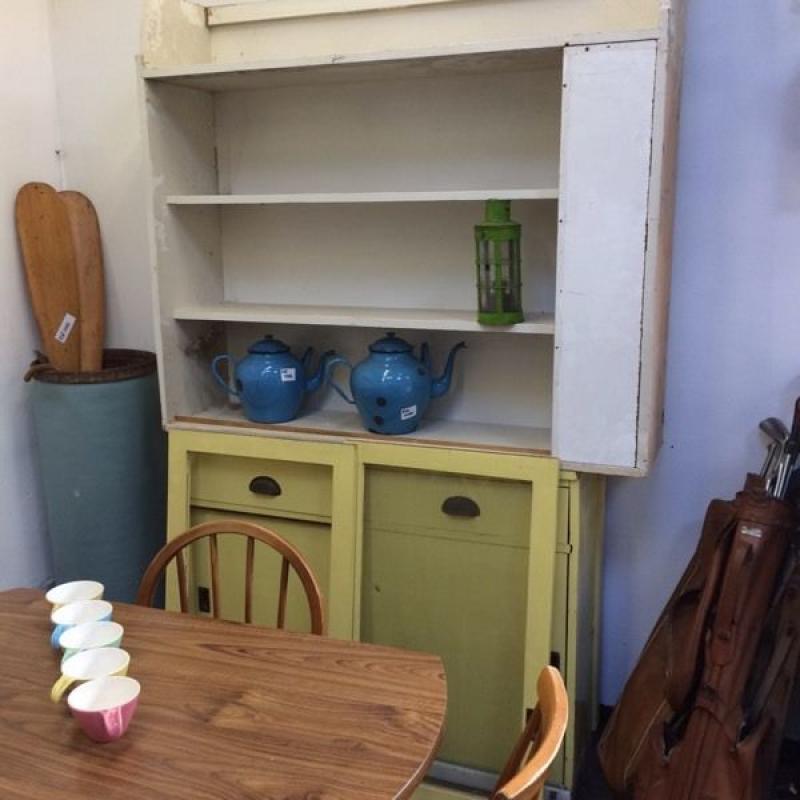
65, 328
288, 374
408, 412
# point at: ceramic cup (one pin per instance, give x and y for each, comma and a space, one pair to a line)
104, 707
71, 614
90, 635
89, 665
73, 591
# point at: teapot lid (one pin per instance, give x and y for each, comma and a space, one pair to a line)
391, 343
268, 345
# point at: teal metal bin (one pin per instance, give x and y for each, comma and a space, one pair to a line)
102, 453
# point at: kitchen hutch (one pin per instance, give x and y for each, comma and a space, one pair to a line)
316, 170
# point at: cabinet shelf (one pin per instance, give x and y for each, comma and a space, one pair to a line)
351, 317
443, 196
432, 432
385, 65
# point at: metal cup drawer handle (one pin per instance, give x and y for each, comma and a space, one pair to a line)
263, 484
458, 506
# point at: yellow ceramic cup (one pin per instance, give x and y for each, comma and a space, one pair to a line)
87, 665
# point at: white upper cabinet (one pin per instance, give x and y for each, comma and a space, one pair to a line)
316, 172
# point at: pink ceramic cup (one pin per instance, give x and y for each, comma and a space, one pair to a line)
104, 707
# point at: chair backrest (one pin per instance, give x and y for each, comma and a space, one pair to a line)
253, 533
525, 771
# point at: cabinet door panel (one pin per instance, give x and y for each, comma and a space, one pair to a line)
311, 539
606, 143
464, 599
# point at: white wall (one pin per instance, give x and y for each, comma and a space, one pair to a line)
95, 44
28, 145
734, 347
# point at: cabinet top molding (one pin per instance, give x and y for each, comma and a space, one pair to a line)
227, 12
193, 32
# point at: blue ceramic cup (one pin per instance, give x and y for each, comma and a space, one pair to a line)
66, 617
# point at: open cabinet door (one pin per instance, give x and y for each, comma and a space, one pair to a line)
606, 152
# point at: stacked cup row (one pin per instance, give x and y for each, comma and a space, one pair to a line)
90, 641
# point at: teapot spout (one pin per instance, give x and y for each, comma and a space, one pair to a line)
441, 385
321, 375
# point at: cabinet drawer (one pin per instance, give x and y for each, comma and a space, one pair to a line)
261, 486
453, 505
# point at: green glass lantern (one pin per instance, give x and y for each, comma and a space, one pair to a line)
497, 248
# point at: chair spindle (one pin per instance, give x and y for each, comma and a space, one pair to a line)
283, 591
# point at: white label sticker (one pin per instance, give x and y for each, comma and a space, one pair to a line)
408, 412
289, 374
65, 328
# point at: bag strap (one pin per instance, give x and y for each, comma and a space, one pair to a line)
684, 655
734, 592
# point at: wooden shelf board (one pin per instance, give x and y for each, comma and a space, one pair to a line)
444, 196
386, 65
345, 424
541, 324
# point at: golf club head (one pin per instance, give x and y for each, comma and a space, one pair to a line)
775, 428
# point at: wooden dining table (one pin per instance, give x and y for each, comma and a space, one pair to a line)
226, 712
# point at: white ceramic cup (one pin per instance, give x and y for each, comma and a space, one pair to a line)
73, 591
88, 665
88, 636
65, 617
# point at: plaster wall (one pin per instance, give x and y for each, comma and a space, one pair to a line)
29, 151
733, 355
95, 46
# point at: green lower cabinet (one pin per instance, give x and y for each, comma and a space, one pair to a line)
454, 586
427, 553
310, 538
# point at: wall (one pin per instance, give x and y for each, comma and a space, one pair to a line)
733, 355
29, 152
95, 44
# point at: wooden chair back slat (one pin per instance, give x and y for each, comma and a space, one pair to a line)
213, 553
248, 580
282, 592
525, 772
291, 559
183, 586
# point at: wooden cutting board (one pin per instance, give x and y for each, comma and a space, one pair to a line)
45, 237
89, 264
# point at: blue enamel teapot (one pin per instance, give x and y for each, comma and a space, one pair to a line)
270, 381
392, 388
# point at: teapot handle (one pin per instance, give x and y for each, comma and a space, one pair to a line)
330, 366
215, 372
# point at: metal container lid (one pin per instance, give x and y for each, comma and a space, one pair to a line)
391, 343
268, 346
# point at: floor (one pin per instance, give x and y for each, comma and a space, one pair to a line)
591, 785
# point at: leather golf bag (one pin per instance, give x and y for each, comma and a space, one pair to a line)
702, 715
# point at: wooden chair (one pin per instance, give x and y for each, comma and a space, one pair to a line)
254, 533
525, 771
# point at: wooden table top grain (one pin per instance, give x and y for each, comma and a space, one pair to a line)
227, 712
